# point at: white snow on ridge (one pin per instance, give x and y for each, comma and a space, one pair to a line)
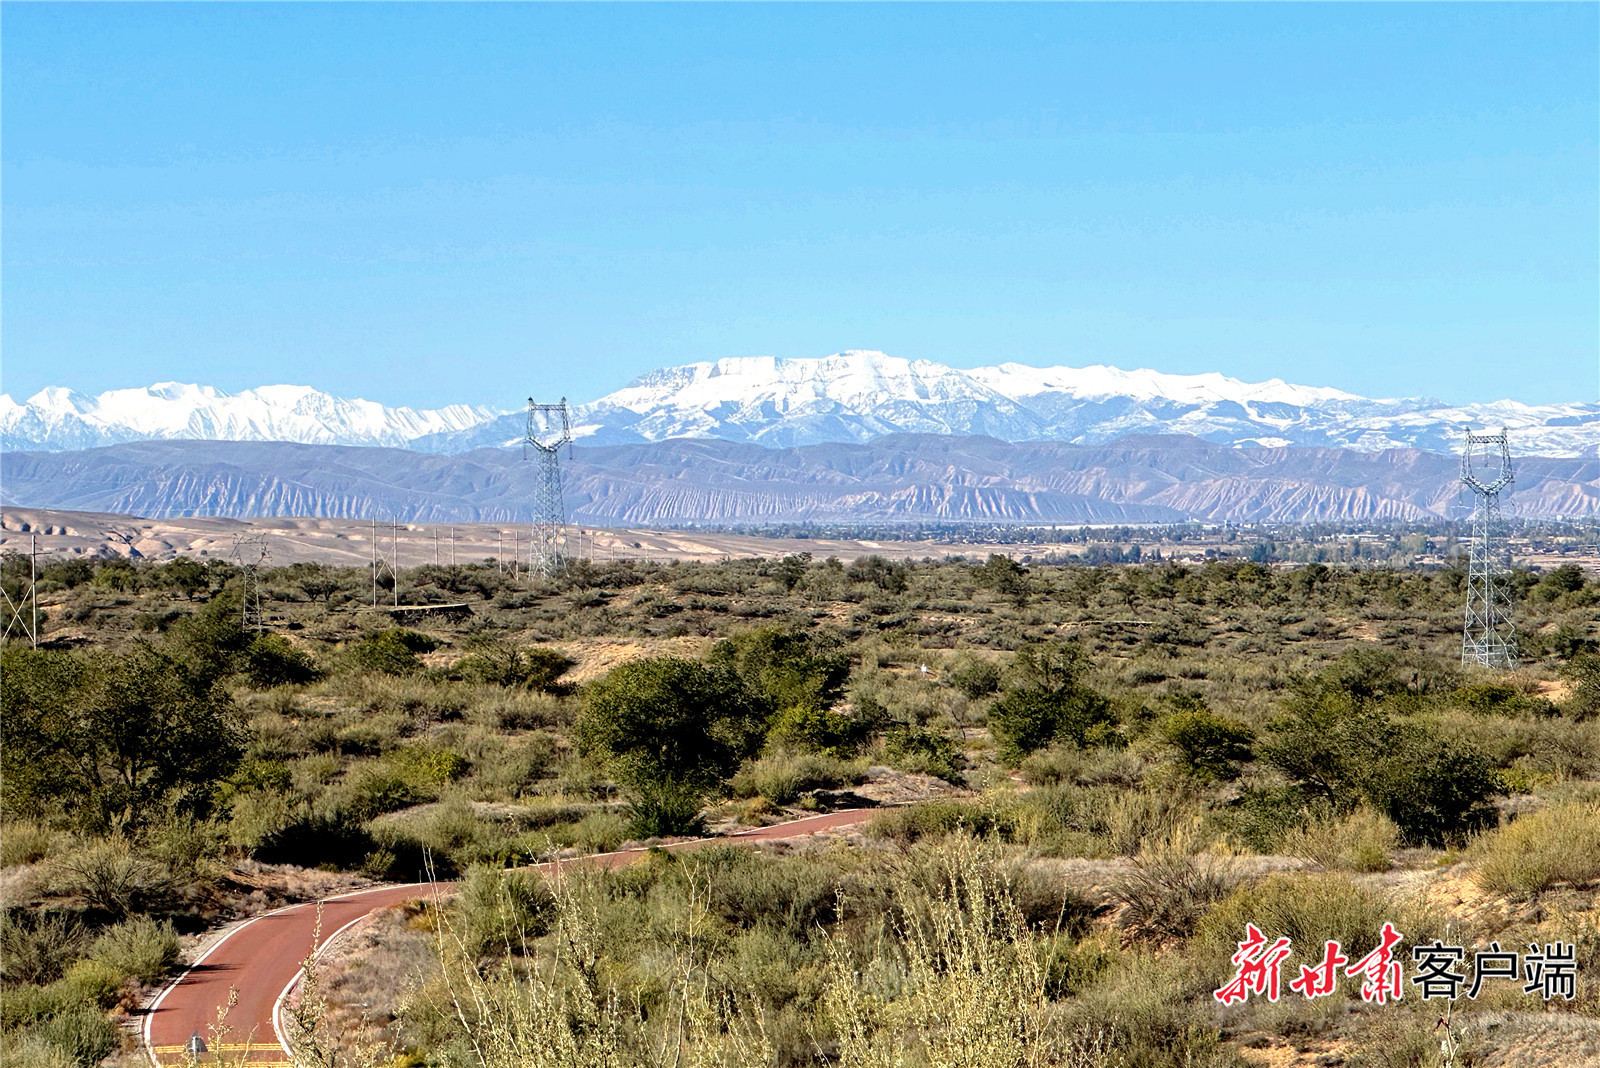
850, 396
1098, 381
61, 418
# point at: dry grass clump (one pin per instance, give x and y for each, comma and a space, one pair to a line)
1560, 844
1362, 841
1174, 883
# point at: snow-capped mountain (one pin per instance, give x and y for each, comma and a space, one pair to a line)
58, 419
851, 396
857, 396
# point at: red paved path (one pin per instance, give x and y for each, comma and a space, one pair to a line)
261, 957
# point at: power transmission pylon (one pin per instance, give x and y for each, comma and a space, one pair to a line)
22, 614
1488, 638
548, 430
250, 552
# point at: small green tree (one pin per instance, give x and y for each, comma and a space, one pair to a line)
1210, 746
113, 732
1049, 704
665, 726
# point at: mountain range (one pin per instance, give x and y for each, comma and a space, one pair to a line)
682, 481
854, 396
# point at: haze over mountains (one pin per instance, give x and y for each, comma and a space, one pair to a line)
849, 397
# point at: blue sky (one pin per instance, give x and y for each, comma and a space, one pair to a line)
427, 204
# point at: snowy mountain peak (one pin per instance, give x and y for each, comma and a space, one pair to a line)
855, 395
57, 418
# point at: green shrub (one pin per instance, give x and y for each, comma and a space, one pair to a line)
1309, 909
923, 751
391, 652
1583, 672
782, 777
1050, 705
25, 843
92, 982
1171, 887
272, 660
314, 839
83, 1033
25, 1049
1210, 746
139, 948
37, 947
1340, 751
503, 664
975, 678
500, 912
665, 808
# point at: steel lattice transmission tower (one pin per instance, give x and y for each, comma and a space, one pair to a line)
1488, 638
249, 553
548, 430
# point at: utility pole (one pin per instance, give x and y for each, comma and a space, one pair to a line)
374, 561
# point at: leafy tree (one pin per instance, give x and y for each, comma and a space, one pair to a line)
667, 720
113, 733
1568, 578
791, 569
887, 576
1210, 746
1050, 704
784, 670
1005, 575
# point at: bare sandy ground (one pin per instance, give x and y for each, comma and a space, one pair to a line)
350, 542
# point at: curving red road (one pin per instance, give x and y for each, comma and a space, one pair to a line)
260, 959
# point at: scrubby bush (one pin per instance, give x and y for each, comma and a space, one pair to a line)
1560, 844
1171, 887
1208, 745
665, 807
112, 876
391, 652
1360, 841
273, 660
37, 947
501, 912
923, 751
140, 948
782, 777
